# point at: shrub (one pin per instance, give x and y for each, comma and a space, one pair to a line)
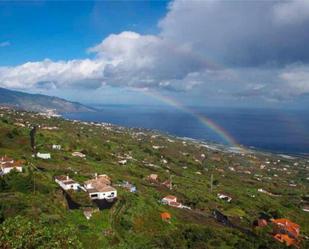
22, 233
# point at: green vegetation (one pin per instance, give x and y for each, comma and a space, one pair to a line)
34, 212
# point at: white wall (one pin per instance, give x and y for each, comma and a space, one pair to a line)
103, 195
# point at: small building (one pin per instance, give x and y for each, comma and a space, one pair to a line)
78, 154
168, 184
152, 178
8, 167
123, 162
224, 197
66, 183
99, 188
129, 186
260, 223
8, 164
165, 216
286, 231
5, 159
168, 199
44, 156
171, 201
305, 208
50, 128
56, 147
88, 212
19, 124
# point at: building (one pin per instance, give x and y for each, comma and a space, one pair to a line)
286, 231
129, 186
56, 147
66, 183
152, 178
99, 188
305, 207
44, 156
168, 199
171, 201
165, 216
78, 154
224, 197
8, 164
123, 162
168, 184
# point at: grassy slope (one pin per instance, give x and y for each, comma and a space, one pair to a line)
134, 220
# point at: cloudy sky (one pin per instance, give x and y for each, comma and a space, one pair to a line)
219, 53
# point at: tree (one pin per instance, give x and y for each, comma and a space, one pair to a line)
32, 138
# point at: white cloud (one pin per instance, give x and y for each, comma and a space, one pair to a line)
145, 60
5, 44
216, 46
61, 73
125, 59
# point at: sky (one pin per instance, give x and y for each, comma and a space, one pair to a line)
207, 53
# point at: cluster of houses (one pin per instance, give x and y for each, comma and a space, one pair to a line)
8, 164
284, 230
154, 178
46, 156
98, 188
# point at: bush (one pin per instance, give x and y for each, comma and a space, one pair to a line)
22, 233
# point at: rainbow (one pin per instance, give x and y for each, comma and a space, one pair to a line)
207, 122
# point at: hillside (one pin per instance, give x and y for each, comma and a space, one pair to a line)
39, 102
36, 213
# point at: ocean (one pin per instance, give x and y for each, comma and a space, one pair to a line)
280, 131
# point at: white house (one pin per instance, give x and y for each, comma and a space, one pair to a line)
78, 154
123, 162
8, 164
66, 183
43, 155
171, 201
56, 147
7, 168
224, 197
99, 188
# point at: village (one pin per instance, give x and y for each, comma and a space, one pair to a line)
182, 180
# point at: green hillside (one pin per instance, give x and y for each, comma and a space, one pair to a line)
34, 211
39, 102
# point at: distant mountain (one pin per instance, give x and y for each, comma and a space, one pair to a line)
39, 102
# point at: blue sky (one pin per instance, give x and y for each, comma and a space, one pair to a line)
64, 30
209, 53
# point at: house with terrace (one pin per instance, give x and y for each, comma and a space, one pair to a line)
100, 188
8, 164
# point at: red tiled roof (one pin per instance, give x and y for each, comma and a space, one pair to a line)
175, 204
170, 197
61, 178
165, 216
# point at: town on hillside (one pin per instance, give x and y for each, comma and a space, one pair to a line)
116, 186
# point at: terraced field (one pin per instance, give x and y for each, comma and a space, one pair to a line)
257, 183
